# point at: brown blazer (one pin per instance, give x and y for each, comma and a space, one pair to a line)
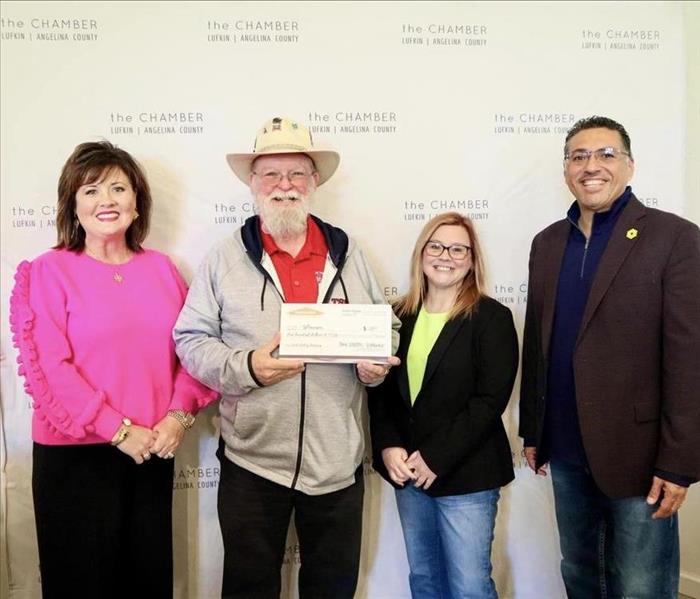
637, 356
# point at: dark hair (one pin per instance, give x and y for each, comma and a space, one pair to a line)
599, 122
88, 163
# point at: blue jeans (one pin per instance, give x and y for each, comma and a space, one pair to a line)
612, 547
448, 542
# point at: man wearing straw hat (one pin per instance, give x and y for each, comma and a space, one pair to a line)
291, 434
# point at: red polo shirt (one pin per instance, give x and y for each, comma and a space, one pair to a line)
300, 275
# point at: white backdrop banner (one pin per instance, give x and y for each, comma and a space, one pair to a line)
433, 107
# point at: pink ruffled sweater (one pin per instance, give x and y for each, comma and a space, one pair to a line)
95, 344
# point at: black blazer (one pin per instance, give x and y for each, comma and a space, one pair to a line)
455, 421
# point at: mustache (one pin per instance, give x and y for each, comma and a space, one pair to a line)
283, 219
282, 195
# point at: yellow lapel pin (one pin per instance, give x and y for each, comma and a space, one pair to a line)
631, 233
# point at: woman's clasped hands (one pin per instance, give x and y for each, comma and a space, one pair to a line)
402, 467
142, 442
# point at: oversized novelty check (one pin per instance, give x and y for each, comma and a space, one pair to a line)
345, 333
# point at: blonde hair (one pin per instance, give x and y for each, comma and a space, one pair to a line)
472, 288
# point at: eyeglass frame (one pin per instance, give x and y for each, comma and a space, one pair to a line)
299, 175
599, 154
448, 248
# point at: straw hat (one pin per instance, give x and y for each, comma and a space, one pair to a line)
284, 136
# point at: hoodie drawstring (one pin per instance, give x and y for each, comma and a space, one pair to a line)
262, 295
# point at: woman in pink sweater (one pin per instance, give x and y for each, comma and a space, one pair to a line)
92, 320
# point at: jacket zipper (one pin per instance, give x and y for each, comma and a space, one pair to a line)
300, 443
585, 247
583, 261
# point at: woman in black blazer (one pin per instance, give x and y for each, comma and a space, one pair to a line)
436, 426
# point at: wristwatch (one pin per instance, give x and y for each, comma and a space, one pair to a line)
184, 418
123, 432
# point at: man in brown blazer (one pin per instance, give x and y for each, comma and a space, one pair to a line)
611, 372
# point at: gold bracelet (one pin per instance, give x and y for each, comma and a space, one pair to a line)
184, 418
123, 432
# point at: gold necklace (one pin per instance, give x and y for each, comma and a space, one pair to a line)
116, 277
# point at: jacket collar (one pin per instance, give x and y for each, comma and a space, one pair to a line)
616, 251
601, 218
336, 239
625, 234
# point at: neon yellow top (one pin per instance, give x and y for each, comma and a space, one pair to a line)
425, 333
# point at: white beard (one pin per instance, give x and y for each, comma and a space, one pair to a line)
283, 219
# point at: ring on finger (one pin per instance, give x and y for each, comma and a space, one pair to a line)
170, 455
146, 456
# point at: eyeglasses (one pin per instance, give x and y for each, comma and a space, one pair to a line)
275, 177
606, 155
457, 251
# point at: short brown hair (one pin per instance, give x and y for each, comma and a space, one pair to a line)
473, 285
88, 163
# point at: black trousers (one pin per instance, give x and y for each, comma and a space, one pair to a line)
254, 515
104, 523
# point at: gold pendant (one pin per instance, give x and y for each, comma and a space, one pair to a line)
118, 278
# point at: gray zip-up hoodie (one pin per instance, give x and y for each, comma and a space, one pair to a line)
305, 432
